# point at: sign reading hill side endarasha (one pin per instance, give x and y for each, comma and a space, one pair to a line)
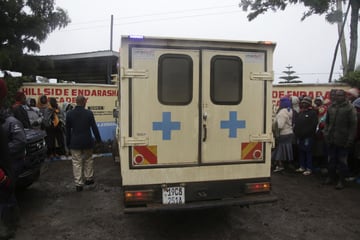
101, 99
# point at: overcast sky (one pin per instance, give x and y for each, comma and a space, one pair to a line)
308, 46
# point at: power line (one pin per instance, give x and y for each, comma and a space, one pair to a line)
308, 74
154, 19
313, 73
159, 14
176, 18
179, 11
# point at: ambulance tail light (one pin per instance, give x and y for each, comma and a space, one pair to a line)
257, 187
140, 196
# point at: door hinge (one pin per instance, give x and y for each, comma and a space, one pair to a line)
261, 138
262, 76
134, 73
134, 141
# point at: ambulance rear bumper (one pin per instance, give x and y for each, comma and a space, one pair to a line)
241, 201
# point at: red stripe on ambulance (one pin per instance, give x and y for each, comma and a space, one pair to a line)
251, 150
145, 155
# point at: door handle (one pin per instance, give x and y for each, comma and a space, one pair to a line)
204, 126
205, 132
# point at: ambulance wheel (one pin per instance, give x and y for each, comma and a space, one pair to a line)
115, 152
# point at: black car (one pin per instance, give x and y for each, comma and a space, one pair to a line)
27, 170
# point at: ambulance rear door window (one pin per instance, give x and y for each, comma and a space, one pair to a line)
226, 80
175, 79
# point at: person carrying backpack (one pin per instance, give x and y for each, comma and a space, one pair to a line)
54, 124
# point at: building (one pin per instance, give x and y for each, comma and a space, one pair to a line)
90, 67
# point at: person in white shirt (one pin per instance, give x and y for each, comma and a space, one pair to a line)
283, 151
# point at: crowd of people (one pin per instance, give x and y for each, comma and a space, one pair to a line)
55, 120
319, 135
46, 115
69, 131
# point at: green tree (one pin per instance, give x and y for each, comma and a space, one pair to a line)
352, 78
13, 85
314, 7
24, 25
290, 78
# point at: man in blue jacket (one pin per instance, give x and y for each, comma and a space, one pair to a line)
79, 124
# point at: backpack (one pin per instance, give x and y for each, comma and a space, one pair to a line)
275, 129
48, 118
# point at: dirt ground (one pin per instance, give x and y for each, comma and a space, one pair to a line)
51, 209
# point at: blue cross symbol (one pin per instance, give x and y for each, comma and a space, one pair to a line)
233, 124
166, 125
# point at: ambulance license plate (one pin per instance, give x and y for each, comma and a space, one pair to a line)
173, 195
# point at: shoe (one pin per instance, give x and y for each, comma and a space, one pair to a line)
278, 169
350, 179
339, 185
89, 182
307, 172
79, 188
300, 170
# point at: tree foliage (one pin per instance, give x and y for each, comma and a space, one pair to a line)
290, 78
258, 7
24, 25
319, 7
13, 85
352, 78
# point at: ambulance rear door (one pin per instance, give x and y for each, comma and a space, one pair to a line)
233, 106
164, 107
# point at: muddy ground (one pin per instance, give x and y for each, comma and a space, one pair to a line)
51, 209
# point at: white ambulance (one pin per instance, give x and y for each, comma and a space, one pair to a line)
195, 123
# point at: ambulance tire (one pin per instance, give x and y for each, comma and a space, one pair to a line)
115, 152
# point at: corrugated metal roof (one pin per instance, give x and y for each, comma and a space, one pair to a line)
88, 67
